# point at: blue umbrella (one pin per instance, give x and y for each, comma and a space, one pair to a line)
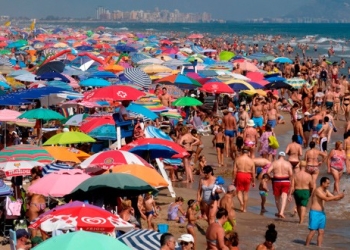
276, 79
4, 85
95, 82
84, 48
139, 109
104, 132
125, 48
103, 74
18, 72
136, 57
55, 166
153, 151
136, 76
282, 60
50, 76
153, 132
59, 84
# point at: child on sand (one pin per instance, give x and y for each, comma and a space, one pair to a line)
263, 190
191, 217
202, 163
150, 210
219, 144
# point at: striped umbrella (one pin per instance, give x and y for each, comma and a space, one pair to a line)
141, 239
153, 132
25, 153
297, 82
55, 166
138, 77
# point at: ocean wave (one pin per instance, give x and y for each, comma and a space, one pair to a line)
324, 39
123, 28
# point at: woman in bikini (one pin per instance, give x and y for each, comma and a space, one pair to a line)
347, 150
191, 217
37, 202
200, 145
336, 164
346, 106
311, 158
187, 141
294, 151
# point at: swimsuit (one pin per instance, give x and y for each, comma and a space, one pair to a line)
294, 163
259, 121
230, 133
40, 206
338, 162
243, 181
263, 193
280, 185
311, 169
323, 144
301, 197
189, 225
299, 140
149, 213
329, 105
172, 211
317, 220
207, 190
272, 123
250, 144
220, 145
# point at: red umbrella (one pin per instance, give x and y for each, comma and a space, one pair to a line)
81, 217
93, 122
181, 152
217, 88
114, 93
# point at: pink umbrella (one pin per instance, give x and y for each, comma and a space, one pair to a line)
254, 76
247, 66
72, 82
197, 77
58, 184
77, 102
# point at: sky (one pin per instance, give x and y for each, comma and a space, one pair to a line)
220, 9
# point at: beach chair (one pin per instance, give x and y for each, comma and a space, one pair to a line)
13, 240
201, 128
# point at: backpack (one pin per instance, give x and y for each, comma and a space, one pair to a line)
273, 143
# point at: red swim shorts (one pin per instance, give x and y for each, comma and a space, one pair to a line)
243, 181
280, 186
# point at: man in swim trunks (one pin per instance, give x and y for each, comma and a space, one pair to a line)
329, 97
230, 126
282, 174
243, 176
298, 130
257, 113
272, 115
324, 134
301, 187
250, 137
243, 119
317, 216
295, 151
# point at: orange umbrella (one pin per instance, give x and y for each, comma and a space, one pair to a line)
114, 68
149, 175
66, 154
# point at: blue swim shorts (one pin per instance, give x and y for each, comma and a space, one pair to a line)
317, 220
259, 121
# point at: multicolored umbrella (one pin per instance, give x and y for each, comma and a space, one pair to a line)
68, 138
182, 81
59, 183
55, 166
149, 175
108, 159
83, 217
25, 153
18, 168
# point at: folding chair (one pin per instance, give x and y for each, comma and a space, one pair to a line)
201, 128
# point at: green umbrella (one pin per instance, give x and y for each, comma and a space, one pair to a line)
42, 114
226, 55
187, 101
69, 138
82, 240
110, 185
5, 52
171, 115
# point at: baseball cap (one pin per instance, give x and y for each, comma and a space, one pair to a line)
21, 233
282, 154
231, 188
186, 238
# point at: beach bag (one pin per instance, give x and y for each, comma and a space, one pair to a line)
273, 143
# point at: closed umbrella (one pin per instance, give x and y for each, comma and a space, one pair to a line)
69, 138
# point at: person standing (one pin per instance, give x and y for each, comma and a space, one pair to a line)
301, 188
230, 126
165, 98
250, 137
282, 174
336, 163
243, 119
243, 176
227, 203
215, 234
317, 216
294, 151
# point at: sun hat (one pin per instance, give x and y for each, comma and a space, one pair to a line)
186, 238
250, 123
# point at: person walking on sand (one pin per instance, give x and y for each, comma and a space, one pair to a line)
150, 207
311, 158
215, 233
294, 151
336, 164
282, 174
230, 125
243, 176
301, 188
263, 191
317, 216
250, 137
219, 138
227, 203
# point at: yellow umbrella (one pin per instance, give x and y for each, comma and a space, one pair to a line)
232, 81
255, 91
149, 175
155, 68
13, 83
66, 154
60, 45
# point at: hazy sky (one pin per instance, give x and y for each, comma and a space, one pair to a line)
225, 9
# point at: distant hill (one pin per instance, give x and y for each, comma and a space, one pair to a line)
325, 9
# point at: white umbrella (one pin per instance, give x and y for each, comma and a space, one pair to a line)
150, 61
18, 168
29, 77
75, 120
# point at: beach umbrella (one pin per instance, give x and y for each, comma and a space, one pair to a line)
94, 122
81, 217
53, 66
82, 240
9, 115
103, 74
171, 114
66, 154
226, 55
142, 110
276, 79
95, 82
282, 60
114, 93
248, 66
29, 77
5, 69
216, 88
55, 166
58, 183
115, 68
149, 175
25, 152
19, 72
75, 120
136, 76
150, 61
173, 63
50, 76
153, 132
108, 159
277, 85
18, 168
155, 68
182, 81
70, 137
104, 132
186, 101
110, 185
152, 148
42, 114
297, 82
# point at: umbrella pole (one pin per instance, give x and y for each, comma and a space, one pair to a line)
5, 136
